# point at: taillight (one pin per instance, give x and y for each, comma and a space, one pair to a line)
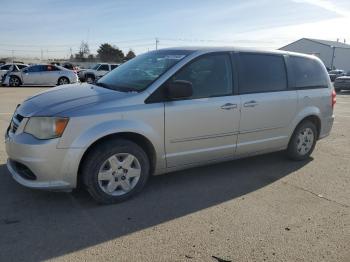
334, 98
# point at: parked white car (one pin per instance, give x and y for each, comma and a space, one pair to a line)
48, 75
5, 68
96, 72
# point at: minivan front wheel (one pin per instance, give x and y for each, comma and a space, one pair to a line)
303, 141
115, 171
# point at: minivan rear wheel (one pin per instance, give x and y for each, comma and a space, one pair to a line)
303, 141
115, 171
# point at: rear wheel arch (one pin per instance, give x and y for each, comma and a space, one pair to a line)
315, 120
138, 139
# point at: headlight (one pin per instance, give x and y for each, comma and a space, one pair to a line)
46, 127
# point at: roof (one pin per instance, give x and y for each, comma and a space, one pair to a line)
329, 43
206, 49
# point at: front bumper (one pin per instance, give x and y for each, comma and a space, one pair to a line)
53, 168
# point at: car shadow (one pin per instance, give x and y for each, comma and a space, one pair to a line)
38, 225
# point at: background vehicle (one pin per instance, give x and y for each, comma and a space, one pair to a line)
333, 74
169, 110
96, 72
41, 75
5, 68
342, 83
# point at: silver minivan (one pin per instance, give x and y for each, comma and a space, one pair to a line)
168, 110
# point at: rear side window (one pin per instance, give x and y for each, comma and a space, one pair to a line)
261, 73
36, 68
308, 73
113, 66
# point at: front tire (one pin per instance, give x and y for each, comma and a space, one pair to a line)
14, 81
303, 141
115, 171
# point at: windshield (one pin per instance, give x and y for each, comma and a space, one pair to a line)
95, 67
138, 73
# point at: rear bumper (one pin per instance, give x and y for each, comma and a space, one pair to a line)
326, 127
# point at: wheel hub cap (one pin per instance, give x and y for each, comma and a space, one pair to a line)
305, 141
119, 174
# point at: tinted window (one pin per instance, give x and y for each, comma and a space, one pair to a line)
103, 68
6, 67
210, 76
21, 66
113, 66
308, 73
36, 68
50, 68
261, 73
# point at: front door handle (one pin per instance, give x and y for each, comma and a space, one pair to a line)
228, 106
251, 103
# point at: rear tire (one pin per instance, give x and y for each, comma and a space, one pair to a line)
63, 81
14, 81
303, 141
109, 175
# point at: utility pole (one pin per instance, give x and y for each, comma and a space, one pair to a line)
157, 42
41, 55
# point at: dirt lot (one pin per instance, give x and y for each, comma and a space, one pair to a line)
263, 208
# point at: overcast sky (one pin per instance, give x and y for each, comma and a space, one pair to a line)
56, 26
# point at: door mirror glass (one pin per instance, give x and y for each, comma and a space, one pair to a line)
179, 89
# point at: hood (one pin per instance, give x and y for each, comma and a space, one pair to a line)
64, 98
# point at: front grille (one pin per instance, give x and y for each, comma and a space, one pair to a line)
23, 170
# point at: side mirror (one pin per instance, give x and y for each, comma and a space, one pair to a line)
25, 71
179, 89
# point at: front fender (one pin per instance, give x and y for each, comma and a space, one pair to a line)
95, 132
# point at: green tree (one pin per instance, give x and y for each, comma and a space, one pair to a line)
130, 55
109, 53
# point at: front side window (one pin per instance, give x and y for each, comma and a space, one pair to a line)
138, 73
210, 75
308, 73
261, 73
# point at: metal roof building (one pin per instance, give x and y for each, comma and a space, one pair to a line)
334, 54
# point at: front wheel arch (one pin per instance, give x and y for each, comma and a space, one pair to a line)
138, 139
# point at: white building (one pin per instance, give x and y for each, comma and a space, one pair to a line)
333, 54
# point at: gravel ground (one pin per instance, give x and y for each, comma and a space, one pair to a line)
264, 208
